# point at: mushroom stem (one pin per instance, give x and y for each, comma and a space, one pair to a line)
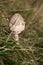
16, 37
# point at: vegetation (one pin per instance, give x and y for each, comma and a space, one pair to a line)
30, 49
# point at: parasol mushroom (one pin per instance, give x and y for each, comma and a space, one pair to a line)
17, 25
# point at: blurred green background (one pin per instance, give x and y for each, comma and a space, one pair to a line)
30, 49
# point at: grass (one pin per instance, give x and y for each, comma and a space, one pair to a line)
30, 49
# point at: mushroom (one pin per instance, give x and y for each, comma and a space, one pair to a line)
17, 25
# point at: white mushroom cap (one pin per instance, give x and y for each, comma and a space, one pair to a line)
17, 23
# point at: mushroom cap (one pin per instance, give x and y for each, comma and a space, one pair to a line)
17, 23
